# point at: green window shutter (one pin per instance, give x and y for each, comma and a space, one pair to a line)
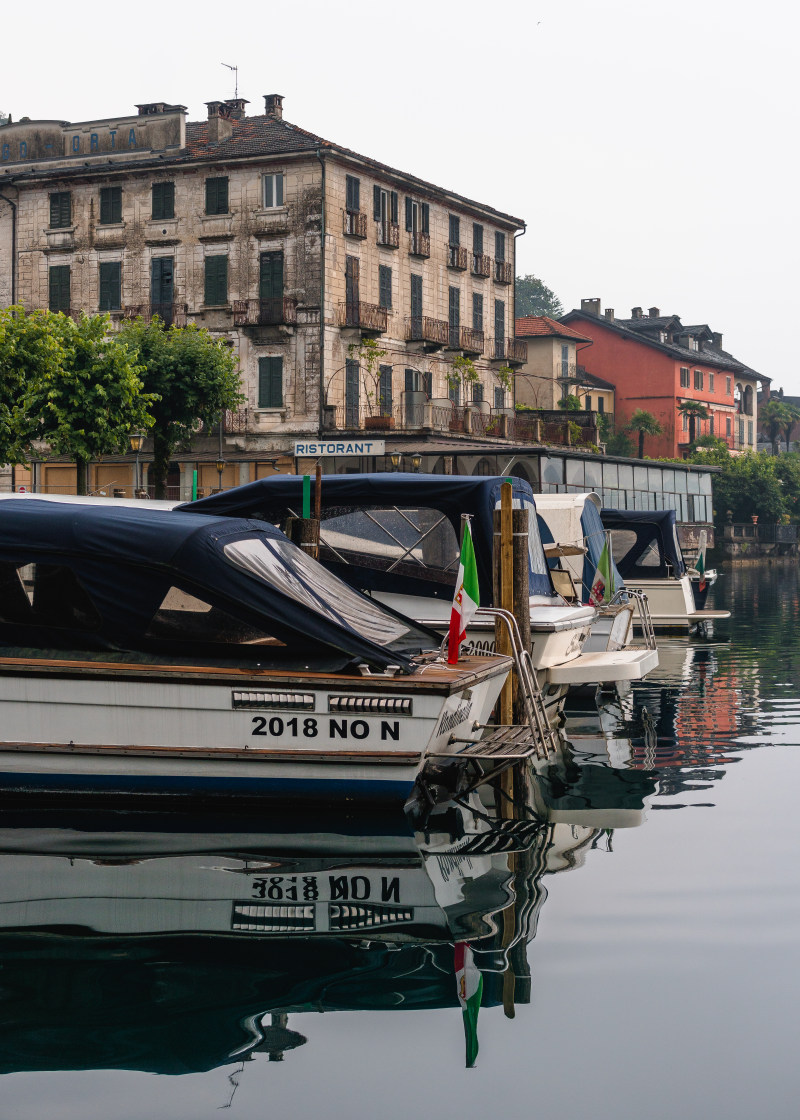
386, 390
384, 286
216, 285
409, 214
279, 189
416, 297
352, 406
110, 285
455, 230
110, 205
353, 202
163, 201
499, 319
477, 238
59, 287
499, 246
217, 195
426, 218
270, 382
60, 209
477, 311
271, 275
376, 203
393, 206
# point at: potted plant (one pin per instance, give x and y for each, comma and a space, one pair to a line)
369, 355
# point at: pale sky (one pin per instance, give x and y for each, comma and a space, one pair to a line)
651, 149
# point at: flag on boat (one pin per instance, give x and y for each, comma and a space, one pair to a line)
469, 984
603, 587
467, 596
700, 563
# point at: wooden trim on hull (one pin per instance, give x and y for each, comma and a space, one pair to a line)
220, 754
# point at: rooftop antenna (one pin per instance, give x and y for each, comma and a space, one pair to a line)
236, 80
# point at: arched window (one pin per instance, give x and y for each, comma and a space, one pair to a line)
747, 406
737, 397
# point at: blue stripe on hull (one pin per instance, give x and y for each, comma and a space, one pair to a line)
204, 787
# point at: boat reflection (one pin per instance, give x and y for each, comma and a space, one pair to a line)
179, 943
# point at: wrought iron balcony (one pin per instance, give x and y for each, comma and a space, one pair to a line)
471, 340
235, 423
419, 245
481, 265
366, 317
264, 312
457, 257
355, 224
389, 234
503, 272
510, 350
433, 332
171, 314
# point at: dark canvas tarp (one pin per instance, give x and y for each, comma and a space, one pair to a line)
645, 535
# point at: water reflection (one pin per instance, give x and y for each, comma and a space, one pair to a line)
177, 944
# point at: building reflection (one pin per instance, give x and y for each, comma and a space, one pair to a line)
180, 944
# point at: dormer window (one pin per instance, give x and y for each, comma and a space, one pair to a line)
694, 344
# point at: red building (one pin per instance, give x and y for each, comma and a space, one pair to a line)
655, 362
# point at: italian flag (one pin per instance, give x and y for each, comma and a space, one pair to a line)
700, 565
467, 597
469, 984
603, 583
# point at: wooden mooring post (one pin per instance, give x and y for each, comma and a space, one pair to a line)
304, 531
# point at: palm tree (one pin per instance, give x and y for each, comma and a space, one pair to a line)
778, 416
695, 410
788, 428
645, 424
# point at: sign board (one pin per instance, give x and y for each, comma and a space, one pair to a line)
307, 449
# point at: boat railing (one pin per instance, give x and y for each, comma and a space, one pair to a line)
643, 606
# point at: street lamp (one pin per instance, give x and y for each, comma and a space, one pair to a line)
416, 463
220, 465
136, 439
395, 459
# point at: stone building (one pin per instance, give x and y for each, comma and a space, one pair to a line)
295, 249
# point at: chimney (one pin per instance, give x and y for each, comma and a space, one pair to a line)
273, 105
236, 106
591, 306
716, 340
636, 313
653, 312
220, 126
609, 313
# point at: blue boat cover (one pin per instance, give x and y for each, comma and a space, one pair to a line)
645, 543
275, 497
122, 578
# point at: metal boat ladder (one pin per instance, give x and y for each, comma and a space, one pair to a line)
643, 607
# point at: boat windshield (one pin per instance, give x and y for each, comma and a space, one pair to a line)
537, 563
285, 567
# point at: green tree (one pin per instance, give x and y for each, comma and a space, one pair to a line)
694, 410
462, 374
711, 450
777, 415
368, 353
750, 484
620, 444
85, 402
29, 349
532, 297
645, 424
570, 403
192, 377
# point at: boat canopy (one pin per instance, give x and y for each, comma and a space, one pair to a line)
574, 519
79, 577
645, 543
394, 531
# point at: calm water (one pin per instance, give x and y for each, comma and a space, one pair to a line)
636, 919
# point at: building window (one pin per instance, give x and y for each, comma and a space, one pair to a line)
384, 286
163, 205
454, 317
685, 422
216, 281
711, 424
728, 426
477, 312
385, 391
418, 216
684, 377
217, 195
454, 230
273, 191
59, 287
601, 404
728, 385
454, 393
270, 382
698, 379
385, 205
353, 194
749, 431
499, 246
499, 328
499, 397
110, 286
565, 361
351, 393
477, 239
110, 206
60, 210
711, 382
477, 392
270, 276
162, 274
587, 400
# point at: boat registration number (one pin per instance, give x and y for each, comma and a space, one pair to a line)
335, 727
334, 887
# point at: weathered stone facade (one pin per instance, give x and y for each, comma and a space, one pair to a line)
288, 238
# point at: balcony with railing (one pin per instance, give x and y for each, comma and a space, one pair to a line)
457, 257
235, 423
355, 224
388, 234
481, 265
279, 311
512, 351
503, 272
368, 318
471, 341
434, 333
171, 314
419, 245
